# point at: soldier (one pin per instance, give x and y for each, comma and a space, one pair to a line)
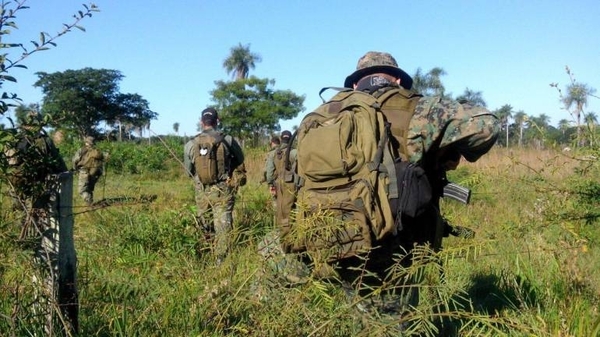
215, 161
268, 173
283, 179
431, 134
89, 162
31, 161
34, 165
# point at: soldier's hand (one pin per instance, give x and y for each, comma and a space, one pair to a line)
273, 191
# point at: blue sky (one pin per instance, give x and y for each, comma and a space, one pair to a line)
171, 52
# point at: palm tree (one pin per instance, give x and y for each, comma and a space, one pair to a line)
577, 95
436, 82
241, 61
473, 97
563, 125
504, 114
520, 118
591, 118
541, 122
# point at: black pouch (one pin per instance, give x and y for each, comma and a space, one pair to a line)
414, 191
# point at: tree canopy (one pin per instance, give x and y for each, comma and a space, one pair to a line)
79, 100
250, 108
240, 61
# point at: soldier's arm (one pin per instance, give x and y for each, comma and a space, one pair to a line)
57, 161
188, 158
236, 151
270, 168
76, 159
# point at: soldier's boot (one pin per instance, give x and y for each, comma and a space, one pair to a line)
461, 232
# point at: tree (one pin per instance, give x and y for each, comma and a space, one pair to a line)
176, 127
472, 97
504, 114
577, 95
80, 99
250, 108
240, 61
576, 98
49, 302
541, 126
21, 111
429, 83
520, 118
563, 125
131, 110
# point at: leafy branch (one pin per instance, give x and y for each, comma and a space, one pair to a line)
44, 42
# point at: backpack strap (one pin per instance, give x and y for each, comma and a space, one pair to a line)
398, 105
339, 89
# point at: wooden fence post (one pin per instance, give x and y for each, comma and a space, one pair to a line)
55, 257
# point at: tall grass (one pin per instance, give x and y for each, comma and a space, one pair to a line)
531, 270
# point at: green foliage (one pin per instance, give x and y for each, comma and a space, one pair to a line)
81, 99
528, 272
250, 108
240, 61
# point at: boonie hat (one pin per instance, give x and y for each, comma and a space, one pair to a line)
378, 62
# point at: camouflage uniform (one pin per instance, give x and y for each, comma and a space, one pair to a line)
34, 165
88, 176
439, 131
215, 202
268, 173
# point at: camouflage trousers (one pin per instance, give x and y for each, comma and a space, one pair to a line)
86, 185
215, 215
278, 266
383, 282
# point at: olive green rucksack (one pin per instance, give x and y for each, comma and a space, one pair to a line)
347, 166
92, 160
285, 184
212, 158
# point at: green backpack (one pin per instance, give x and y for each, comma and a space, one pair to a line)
286, 185
212, 158
92, 160
347, 167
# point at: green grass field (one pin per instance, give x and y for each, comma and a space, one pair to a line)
531, 269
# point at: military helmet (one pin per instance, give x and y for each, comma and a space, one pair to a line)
378, 62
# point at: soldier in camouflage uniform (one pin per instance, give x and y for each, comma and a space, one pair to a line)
215, 202
434, 134
268, 175
89, 162
439, 133
31, 161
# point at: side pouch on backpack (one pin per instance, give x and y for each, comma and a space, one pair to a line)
414, 190
333, 222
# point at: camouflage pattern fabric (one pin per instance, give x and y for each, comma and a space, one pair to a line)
215, 202
88, 177
215, 213
471, 130
279, 267
86, 185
